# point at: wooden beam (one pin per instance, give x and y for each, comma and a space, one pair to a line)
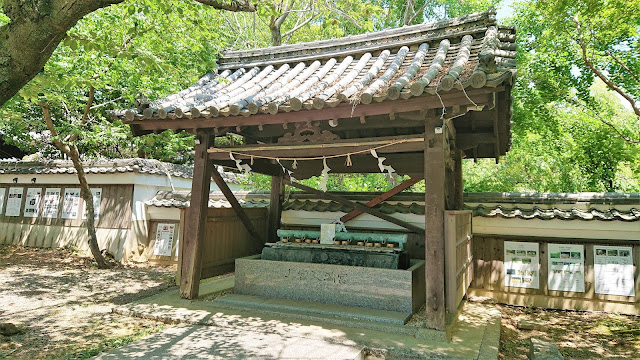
434, 174
275, 207
338, 147
356, 205
470, 141
195, 219
380, 198
344, 110
228, 194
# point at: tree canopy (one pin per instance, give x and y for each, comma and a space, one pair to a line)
572, 131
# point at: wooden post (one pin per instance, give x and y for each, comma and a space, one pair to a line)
458, 194
195, 219
275, 207
434, 174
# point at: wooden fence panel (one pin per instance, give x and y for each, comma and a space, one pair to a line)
459, 259
488, 264
227, 239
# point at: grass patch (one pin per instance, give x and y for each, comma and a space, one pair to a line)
113, 343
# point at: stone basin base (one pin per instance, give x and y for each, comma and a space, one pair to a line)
374, 288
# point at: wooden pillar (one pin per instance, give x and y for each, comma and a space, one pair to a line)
434, 175
195, 219
458, 184
275, 207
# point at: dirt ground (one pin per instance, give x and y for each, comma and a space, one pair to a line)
578, 335
63, 302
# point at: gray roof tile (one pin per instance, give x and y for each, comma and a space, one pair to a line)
472, 50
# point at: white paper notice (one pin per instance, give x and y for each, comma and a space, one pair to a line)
32, 203
3, 191
327, 233
14, 201
97, 198
521, 264
164, 239
71, 203
613, 268
51, 203
566, 267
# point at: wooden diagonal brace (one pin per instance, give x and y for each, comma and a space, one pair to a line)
380, 198
228, 194
358, 206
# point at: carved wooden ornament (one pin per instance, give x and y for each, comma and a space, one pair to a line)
306, 132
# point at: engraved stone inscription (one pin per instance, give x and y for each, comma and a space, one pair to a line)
317, 275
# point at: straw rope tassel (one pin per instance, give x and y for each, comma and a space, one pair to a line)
349, 163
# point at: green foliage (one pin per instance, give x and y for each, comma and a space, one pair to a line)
137, 48
395, 10
336, 182
559, 140
559, 147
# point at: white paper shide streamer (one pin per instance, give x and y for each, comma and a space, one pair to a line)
325, 175
242, 167
381, 159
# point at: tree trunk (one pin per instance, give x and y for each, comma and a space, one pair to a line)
276, 35
87, 196
408, 12
36, 28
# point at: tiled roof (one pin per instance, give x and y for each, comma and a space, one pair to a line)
555, 213
181, 199
388, 207
470, 51
143, 166
592, 198
409, 203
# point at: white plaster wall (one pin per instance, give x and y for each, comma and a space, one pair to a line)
163, 213
70, 179
555, 228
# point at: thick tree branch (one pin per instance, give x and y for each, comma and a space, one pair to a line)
624, 66
424, 6
230, 5
606, 122
598, 73
288, 33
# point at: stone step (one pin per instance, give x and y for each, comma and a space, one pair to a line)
212, 342
314, 309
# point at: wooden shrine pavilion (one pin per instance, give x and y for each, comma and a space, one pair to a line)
414, 100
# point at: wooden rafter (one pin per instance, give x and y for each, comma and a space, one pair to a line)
380, 198
357, 206
394, 144
242, 215
344, 110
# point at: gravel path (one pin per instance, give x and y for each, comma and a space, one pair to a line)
63, 302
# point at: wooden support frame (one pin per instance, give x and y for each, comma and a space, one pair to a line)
355, 205
195, 219
242, 215
434, 174
458, 185
405, 144
380, 198
344, 110
275, 207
